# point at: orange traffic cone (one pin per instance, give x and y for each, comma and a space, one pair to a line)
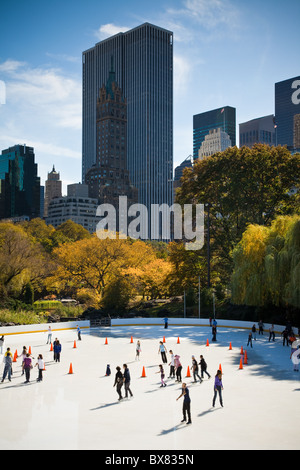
74, 347
29, 350
106, 342
15, 356
51, 347
230, 347
178, 340
188, 374
71, 369
143, 372
245, 358
220, 367
241, 364
164, 339
207, 342
242, 351
131, 339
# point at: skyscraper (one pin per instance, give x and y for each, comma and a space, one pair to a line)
287, 105
19, 183
109, 178
223, 118
143, 61
260, 130
53, 187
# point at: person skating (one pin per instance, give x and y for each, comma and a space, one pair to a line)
162, 375
41, 366
186, 408
195, 370
138, 350
172, 365
203, 367
7, 365
119, 380
126, 380
218, 387
162, 350
178, 368
250, 339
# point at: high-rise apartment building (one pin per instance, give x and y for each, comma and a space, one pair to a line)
223, 118
287, 105
53, 188
257, 131
19, 183
143, 61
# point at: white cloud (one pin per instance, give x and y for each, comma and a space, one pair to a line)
110, 29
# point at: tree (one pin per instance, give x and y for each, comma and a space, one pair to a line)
242, 186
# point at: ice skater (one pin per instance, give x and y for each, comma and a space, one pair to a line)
56, 350
138, 350
162, 375
260, 327
218, 387
178, 368
108, 371
195, 370
119, 380
27, 366
162, 350
172, 365
254, 332
79, 333
186, 408
49, 339
271, 333
41, 366
250, 339
203, 367
126, 380
7, 365
1, 344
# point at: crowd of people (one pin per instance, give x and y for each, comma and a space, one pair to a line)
122, 377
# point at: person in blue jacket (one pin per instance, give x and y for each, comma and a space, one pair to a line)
56, 350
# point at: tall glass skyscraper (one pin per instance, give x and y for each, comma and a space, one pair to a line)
222, 118
287, 106
143, 64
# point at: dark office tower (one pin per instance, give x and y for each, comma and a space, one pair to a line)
258, 131
143, 60
19, 183
109, 178
222, 118
287, 104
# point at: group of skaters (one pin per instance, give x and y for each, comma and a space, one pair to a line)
288, 336
27, 359
123, 379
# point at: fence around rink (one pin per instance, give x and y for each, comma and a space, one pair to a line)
128, 322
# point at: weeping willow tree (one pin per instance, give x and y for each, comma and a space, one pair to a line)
267, 264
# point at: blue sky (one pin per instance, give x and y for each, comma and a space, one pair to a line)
226, 52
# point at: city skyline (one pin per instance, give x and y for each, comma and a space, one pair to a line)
253, 46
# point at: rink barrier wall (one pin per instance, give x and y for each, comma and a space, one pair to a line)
127, 322
43, 327
193, 322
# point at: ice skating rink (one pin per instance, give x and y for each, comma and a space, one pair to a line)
81, 411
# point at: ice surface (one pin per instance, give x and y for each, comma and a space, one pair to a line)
81, 410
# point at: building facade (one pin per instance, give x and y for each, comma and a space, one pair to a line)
19, 183
287, 105
53, 188
215, 141
223, 118
143, 60
76, 206
109, 177
257, 131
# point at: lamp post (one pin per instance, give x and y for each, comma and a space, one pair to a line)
208, 244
